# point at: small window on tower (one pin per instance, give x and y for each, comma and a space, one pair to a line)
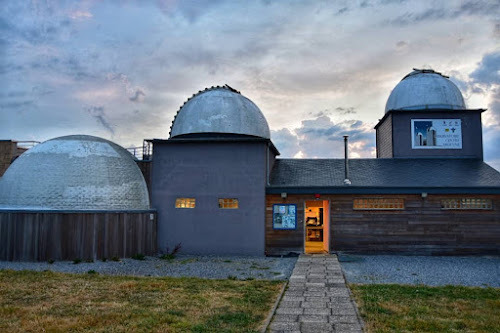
185, 203
228, 203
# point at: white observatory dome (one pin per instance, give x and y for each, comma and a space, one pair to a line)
220, 110
76, 172
425, 89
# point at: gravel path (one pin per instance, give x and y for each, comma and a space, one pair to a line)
210, 267
433, 271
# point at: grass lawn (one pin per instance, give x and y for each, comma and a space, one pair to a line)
52, 302
399, 308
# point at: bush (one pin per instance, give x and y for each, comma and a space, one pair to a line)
170, 255
77, 261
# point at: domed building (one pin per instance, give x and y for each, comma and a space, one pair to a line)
77, 172
209, 177
73, 197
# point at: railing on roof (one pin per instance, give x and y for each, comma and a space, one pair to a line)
143, 153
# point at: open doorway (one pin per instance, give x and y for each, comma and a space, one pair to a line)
317, 226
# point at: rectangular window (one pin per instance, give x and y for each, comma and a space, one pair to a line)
378, 204
466, 203
228, 203
185, 203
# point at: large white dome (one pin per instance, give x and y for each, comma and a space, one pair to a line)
220, 110
425, 89
76, 172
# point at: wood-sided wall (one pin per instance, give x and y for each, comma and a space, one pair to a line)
42, 235
422, 228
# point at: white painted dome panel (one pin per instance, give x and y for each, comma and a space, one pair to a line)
220, 110
77, 172
425, 89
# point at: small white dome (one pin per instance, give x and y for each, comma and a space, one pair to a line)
425, 89
76, 172
220, 110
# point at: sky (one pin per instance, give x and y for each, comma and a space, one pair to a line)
318, 70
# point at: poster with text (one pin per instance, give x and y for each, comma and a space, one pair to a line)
285, 216
436, 133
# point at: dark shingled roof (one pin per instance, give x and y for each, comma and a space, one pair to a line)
385, 173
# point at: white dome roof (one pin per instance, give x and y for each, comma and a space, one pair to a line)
76, 172
425, 89
220, 110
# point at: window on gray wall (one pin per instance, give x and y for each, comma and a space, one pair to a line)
185, 203
229, 203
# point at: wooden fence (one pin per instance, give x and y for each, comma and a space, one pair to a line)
86, 235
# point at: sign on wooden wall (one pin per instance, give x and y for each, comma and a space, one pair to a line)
285, 216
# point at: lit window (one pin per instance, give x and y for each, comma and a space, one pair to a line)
378, 204
185, 202
228, 203
466, 203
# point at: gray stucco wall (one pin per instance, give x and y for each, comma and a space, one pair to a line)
208, 171
472, 141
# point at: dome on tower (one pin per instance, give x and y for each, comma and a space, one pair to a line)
76, 172
425, 89
221, 110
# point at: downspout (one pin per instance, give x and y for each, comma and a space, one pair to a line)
346, 161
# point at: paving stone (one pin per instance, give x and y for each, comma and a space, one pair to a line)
316, 327
314, 305
284, 326
313, 293
293, 311
318, 311
313, 318
290, 304
317, 299
289, 318
344, 319
287, 298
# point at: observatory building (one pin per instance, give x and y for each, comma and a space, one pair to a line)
218, 186
74, 197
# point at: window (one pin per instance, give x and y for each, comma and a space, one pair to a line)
228, 203
378, 204
185, 203
466, 203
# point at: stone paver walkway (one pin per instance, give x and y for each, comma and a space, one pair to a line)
317, 299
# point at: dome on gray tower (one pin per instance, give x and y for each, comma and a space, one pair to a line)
221, 110
76, 172
425, 89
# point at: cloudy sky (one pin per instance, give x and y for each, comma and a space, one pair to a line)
317, 69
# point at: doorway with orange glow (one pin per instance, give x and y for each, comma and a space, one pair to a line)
317, 226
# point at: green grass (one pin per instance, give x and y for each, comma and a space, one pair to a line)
398, 308
55, 302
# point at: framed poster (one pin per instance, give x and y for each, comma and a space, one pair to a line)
284, 216
436, 134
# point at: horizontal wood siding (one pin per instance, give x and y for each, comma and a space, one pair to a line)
41, 236
421, 228
279, 242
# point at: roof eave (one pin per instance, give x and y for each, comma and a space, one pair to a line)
379, 190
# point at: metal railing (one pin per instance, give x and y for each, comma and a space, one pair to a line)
143, 153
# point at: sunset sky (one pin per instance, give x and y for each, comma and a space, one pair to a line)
317, 69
